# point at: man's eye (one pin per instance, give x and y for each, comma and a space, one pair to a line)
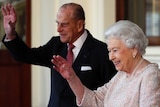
64, 24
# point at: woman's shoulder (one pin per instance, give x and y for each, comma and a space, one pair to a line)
151, 71
154, 67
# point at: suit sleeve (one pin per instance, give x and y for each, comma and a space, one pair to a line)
21, 52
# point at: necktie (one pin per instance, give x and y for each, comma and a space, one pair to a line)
70, 54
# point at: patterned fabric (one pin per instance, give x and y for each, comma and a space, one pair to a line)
139, 90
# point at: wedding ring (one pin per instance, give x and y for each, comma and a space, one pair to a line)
63, 66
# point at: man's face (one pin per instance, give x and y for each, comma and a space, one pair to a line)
67, 27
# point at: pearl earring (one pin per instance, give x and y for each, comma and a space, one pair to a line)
134, 56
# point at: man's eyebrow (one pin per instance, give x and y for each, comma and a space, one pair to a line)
62, 22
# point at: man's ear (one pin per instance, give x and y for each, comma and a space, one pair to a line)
80, 25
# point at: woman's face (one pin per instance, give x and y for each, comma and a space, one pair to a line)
120, 55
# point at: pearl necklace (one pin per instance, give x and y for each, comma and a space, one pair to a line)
135, 69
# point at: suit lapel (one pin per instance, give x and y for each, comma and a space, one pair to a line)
84, 53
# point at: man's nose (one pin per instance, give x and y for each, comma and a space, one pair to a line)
59, 28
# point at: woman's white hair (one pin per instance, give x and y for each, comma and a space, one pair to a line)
130, 33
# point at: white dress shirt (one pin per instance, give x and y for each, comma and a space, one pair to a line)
78, 44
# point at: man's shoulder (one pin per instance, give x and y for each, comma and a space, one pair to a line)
95, 40
97, 43
55, 39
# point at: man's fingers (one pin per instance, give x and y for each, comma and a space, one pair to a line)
12, 10
7, 9
3, 11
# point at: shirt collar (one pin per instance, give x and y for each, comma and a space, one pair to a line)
79, 42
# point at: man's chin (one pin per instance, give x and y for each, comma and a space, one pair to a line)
63, 40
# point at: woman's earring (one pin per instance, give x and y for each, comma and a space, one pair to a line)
134, 56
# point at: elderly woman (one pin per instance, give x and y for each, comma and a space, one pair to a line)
137, 82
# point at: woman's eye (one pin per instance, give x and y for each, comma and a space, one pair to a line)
114, 50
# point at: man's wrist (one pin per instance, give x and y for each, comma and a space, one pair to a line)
10, 37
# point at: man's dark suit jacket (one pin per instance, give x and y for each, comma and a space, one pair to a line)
92, 65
